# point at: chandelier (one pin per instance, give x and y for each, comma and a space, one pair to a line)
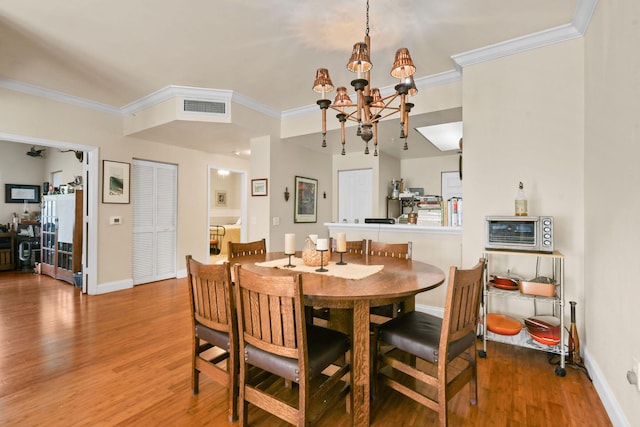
370, 107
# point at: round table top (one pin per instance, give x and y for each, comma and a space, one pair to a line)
399, 278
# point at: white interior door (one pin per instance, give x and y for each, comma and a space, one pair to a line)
355, 195
154, 192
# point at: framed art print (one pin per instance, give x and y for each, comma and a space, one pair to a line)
116, 182
306, 199
259, 187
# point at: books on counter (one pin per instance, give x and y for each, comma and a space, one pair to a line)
432, 210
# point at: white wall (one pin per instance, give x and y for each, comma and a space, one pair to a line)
612, 179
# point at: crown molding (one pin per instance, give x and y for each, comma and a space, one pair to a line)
57, 96
517, 45
173, 91
580, 22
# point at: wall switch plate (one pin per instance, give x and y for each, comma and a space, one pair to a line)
115, 220
276, 220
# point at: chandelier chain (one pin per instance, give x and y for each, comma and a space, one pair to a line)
367, 31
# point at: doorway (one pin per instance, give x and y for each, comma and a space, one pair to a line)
226, 210
89, 164
354, 195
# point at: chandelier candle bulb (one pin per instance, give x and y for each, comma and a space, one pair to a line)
289, 243
341, 242
322, 244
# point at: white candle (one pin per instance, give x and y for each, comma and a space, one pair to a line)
341, 242
322, 244
289, 243
314, 238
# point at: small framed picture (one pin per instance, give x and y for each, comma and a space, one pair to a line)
116, 182
305, 199
259, 187
221, 198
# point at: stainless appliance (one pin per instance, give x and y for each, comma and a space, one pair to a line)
519, 233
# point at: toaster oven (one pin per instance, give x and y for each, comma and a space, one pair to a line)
519, 233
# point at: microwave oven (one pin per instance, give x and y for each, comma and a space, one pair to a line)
519, 233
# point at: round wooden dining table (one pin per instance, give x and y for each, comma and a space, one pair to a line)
398, 280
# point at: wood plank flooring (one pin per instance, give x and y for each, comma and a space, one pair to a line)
124, 359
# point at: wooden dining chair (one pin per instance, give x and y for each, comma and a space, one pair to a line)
446, 348
244, 249
275, 340
392, 250
214, 325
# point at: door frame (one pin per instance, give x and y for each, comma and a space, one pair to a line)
90, 205
243, 202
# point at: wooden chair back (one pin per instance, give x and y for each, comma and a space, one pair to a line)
462, 304
273, 337
214, 323
245, 249
446, 347
391, 250
357, 246
271, 310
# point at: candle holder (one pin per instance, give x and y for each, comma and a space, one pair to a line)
321, 269
341, 262
289, 265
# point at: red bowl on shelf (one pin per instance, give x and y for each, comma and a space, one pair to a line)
502, 324
545, 340
544, 328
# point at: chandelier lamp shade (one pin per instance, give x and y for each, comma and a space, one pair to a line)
370, 107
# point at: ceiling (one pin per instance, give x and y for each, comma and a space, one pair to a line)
117, 52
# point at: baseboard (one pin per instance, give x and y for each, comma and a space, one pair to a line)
434, 311
605, 393
119, 285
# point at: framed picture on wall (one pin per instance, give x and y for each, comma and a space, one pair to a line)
259, 187
221, 198
116, 182
306, 200
18, 193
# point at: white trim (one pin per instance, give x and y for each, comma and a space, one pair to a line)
58, 96
429, 309
517, 45
119, 285
583, 14
607, 396
173, 91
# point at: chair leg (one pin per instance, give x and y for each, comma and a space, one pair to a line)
232, 369
195, 374
473, 383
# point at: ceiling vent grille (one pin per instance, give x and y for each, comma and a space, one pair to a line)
209, 107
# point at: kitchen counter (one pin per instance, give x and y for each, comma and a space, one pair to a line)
396, 228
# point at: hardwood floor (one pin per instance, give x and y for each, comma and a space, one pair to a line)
124, 359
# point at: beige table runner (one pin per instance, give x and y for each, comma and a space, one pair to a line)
349, 271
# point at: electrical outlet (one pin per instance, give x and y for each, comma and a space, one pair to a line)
636, 369
276, 220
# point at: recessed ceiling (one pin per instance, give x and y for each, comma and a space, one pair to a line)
445, 136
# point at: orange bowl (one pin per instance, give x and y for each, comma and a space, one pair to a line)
502, 324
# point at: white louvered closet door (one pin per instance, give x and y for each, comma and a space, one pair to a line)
154, 187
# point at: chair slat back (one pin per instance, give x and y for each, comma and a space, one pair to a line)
462, 305
270, 311
210, 294
391, 250
356, 246
245, 249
